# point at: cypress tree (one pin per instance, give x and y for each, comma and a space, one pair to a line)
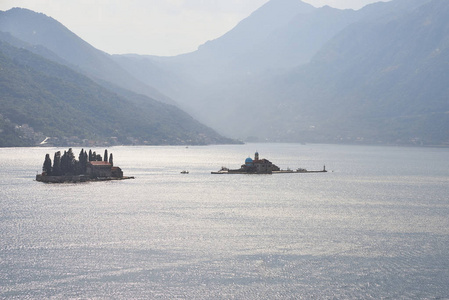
81, 155
47, 165
76, 167
90, 155
57, 164
64, 164
105, 157
110, 160
82, 162
71, 161
85, 162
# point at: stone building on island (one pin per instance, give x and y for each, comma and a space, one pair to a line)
102, 169
256, 166
89, 167
263, 166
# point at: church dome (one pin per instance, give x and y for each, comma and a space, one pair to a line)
249, 160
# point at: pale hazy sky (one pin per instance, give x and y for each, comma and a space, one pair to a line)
157, 27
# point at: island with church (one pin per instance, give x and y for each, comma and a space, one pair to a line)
89, 166
262, 166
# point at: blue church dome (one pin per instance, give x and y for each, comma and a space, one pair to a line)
248, 161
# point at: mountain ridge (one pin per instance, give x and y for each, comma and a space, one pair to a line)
376, 75
41, 98
39, 29
394, 75
357, 85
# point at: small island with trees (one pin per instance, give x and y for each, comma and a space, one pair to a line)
89, 166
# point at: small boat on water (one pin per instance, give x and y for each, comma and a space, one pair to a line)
185, 172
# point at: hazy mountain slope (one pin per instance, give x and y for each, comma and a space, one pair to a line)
217, 60
384, 80
253, 30
38, 29
167, 81
280, 35
296, 42
291, 72
58, 102
36, 49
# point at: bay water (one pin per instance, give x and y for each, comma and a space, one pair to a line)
376, 225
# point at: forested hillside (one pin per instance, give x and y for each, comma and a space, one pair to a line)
40, 31
40, 99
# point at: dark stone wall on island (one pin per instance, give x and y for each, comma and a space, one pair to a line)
117, 175
62, 179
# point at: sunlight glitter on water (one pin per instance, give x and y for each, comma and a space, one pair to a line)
375, 227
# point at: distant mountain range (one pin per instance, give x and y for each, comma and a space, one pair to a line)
53, 84
289, 72
63, 46
294, 73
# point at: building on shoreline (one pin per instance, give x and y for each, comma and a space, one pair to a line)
262, 166
252, 166
103, 169
258, 166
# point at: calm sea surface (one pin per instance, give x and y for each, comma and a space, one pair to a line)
375, 226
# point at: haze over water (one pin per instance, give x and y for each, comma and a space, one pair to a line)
375, 226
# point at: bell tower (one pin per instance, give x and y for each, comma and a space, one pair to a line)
256, 156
